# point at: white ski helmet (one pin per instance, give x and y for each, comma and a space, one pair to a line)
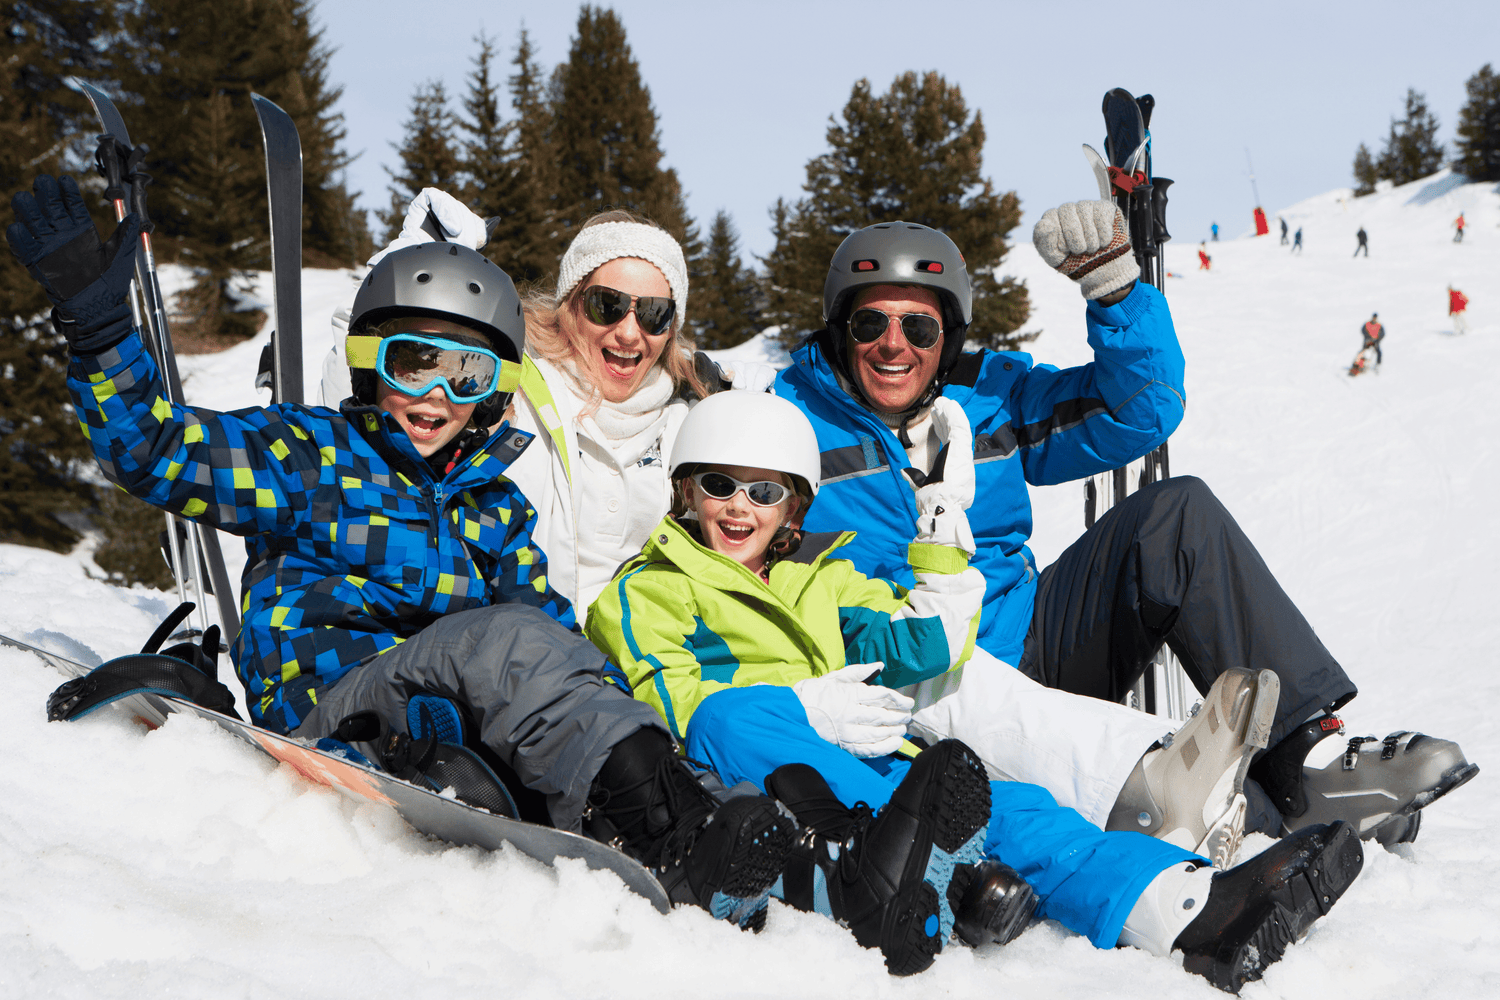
752, 429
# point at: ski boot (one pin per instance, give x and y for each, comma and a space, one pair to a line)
722, 855
992, 903
1191, 791
887, 877
1378, 786
1254, 911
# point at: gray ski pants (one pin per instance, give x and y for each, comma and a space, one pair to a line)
535, 689
1170, 564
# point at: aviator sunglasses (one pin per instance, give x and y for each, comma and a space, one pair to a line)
607, 306
868, 325
416, 363
721, 487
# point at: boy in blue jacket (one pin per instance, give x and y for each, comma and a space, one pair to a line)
388, 554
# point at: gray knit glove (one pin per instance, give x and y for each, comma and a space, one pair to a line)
1089, 242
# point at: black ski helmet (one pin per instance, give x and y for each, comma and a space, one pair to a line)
446, 281
898, 253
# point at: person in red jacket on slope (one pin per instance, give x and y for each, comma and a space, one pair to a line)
1457, 303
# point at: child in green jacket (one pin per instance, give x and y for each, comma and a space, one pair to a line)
776, 663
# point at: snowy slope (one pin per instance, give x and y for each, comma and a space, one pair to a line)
178, 861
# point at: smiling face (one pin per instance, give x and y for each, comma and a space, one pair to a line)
892, 373
433, 420
736, 527
620, 355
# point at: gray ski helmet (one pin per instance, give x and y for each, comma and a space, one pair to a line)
447, 281
900, 253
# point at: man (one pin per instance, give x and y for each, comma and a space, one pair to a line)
1167, 565
1363, 243
1373, 333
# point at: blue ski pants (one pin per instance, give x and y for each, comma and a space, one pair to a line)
1086, 879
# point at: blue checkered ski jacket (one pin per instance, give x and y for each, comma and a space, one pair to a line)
353, 545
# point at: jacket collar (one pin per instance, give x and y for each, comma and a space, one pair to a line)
491, 460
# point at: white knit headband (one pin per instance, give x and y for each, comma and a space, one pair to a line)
599, 244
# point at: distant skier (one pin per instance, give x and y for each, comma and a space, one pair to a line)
1205, 262
1373, 333
1457, 303
1297, 241
1363, 242
1458, 228
1283, 229
1215, 230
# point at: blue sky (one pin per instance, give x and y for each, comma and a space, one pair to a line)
743, 92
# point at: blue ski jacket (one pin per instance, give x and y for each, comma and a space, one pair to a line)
354, 545
1032, 424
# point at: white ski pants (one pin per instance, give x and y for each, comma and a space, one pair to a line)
1080, 749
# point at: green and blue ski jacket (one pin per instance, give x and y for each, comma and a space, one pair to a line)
685, 622
353, 544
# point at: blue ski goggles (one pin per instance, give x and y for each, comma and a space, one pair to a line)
416, 363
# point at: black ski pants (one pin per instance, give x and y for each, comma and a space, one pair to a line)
535, 690
1170, 564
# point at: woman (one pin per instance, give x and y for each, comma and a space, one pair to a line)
604, 387
739, 631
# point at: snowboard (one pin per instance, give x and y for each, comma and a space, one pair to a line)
425, 811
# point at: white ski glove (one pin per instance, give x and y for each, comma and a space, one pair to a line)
1089, 242
865, 719
459, 224
940, 506
751, 375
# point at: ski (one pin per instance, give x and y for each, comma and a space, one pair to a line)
284, 194
1125, 175
427, 812
202, 555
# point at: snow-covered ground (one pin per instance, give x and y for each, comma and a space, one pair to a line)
179, 862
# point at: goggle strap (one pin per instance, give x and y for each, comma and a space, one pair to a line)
361, 351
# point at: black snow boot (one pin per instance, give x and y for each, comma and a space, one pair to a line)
1256, 909
722, 855
992, 903
1378, 786
886, 877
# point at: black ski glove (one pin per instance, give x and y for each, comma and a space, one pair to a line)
87, 281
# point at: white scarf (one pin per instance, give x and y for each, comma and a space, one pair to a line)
627, 429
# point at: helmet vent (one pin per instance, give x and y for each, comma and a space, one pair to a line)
865, 265
474, 286
423, 278
930, 266
453, 251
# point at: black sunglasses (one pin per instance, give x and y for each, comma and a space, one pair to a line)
607, 306
868, 325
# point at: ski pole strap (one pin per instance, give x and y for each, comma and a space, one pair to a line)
1123, 182
138, 673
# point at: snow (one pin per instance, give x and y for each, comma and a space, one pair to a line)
129, 857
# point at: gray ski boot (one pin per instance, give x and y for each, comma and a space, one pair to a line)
1191, 791
1377, 786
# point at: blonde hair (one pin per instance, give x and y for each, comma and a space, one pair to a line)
552, 333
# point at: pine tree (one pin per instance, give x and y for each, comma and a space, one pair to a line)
1479, 128
186, 93
509, 165
429, 153
726, 297
913, 153
605, 137
44, 128
1411, 150
1365, 174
